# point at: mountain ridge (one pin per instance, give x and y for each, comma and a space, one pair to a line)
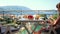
14, 8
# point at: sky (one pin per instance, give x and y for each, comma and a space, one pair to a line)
32, 4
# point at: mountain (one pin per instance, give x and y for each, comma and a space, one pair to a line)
7, 9
14, 8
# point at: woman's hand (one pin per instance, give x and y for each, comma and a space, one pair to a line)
52, 22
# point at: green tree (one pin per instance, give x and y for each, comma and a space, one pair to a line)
55, 16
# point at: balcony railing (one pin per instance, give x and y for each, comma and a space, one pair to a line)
25, 26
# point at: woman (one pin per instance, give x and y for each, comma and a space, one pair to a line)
56, 23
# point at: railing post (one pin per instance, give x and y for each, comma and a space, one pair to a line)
52, 29
0, 30
8, 30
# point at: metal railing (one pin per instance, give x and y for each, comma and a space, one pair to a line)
27, 12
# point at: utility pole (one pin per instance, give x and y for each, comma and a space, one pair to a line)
3, 14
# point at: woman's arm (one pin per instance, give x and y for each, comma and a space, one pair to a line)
57, 21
